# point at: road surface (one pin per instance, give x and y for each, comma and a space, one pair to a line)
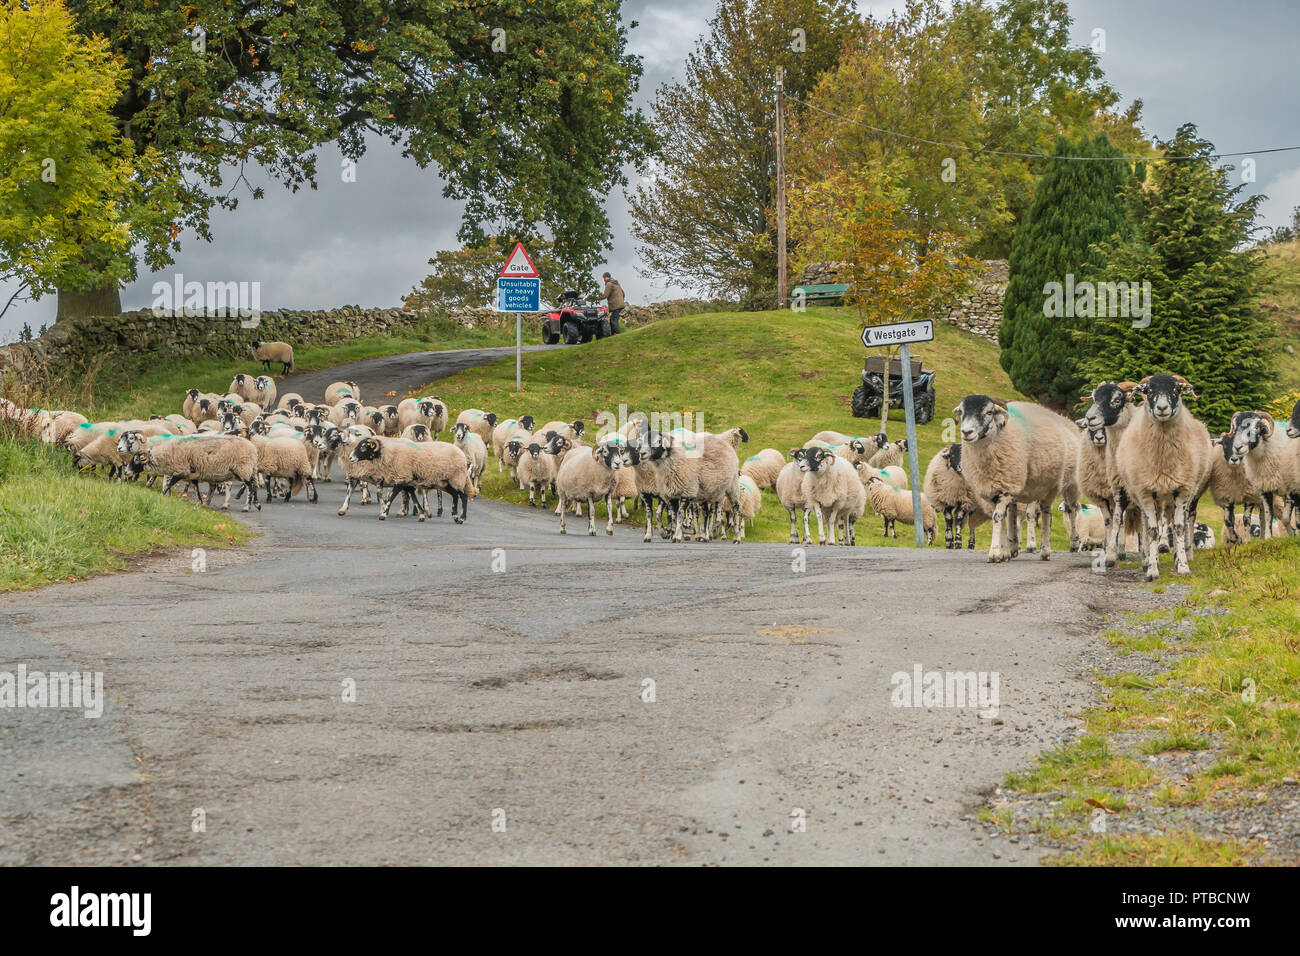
502, 710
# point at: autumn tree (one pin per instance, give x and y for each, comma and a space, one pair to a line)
70, 202
523, 106
704, 216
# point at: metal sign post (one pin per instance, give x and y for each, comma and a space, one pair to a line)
519, 290
901, 333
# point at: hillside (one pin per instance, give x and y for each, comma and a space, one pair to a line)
782, 375
1281, 299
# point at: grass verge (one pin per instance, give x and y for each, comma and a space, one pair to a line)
57, 526
1193, 757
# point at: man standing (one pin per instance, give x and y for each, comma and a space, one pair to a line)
614, 295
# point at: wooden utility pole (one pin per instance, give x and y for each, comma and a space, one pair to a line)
780, 187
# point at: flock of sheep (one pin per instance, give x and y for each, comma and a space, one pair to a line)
1144, 472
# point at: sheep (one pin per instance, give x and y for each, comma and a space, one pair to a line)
242, 385
626, 487
696, 471
1093, 525
892, 475
789, 491
215, 461
346, 413
1230, 488
61, 424
263, 391
428, 412
30, 422
475, 451
764, 467
894, 505
826, 485
854, 449
573, 430
335, 392
1202, 537
1269, 461
286, 458
373, 417
537, 468
852, 506
946, 489
1017, 453
508, 428
417, 432
269, 352
480, 423
391, 423
1164, 465
288, 401
510, 454
589, 478
890, 453
748, 505
1109, 413
103, 449
839, 438
412, 468
179, 424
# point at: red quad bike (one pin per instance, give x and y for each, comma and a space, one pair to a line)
575, 320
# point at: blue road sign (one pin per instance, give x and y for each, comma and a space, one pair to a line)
519, 295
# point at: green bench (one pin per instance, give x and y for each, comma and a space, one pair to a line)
825, 293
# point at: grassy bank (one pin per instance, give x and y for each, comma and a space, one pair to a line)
58, 526
783, 376
1193, 755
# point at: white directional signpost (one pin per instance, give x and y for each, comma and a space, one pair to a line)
519, 290
903, 333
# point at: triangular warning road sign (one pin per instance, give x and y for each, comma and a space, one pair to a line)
519, 265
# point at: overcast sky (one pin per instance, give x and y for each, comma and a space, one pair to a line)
1228, 68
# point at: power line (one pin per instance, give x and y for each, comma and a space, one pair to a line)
1001, 152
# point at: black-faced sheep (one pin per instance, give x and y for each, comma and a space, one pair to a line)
590, 478
1270, 463
894, 505
946, 490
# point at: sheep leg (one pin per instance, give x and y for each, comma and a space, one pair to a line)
1115, 530
794, 531
949, 519
440, 502
1266, 515
252, 496
997, 551
1229, 524
609, 514
645, 501
464, 505
386, 501
1071, 510
1181, 511
563, 514
1013, 523
347, 498
1151, 551
1045, 516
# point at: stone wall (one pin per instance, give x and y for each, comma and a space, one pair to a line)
979, 310
74, 344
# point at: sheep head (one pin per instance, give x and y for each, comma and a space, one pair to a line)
527, 422
368, 449
1247, 431
979, 415
1162, 395
814, 459
1293, 423
1108, 401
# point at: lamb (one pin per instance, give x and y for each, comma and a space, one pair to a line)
826, 486
510, 454
475, 452
537, 468
1270, 464
1164, 465
1018, 453
480, 423
946, 489
589, 478
412, 468
268, 352
335, 392
789, 491
894, 505
286, 458
764, 467
216, 461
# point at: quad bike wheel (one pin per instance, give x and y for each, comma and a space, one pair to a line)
571, 334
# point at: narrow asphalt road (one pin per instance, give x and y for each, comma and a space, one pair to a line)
500, 676
396, 374
521, 697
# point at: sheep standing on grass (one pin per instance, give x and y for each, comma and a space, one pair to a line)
269, 352
894, 505
480, 423
1164, 465
764, 467
946, 489
888, 453
1230, 489
1108, 415
1269, 461
1018, 453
